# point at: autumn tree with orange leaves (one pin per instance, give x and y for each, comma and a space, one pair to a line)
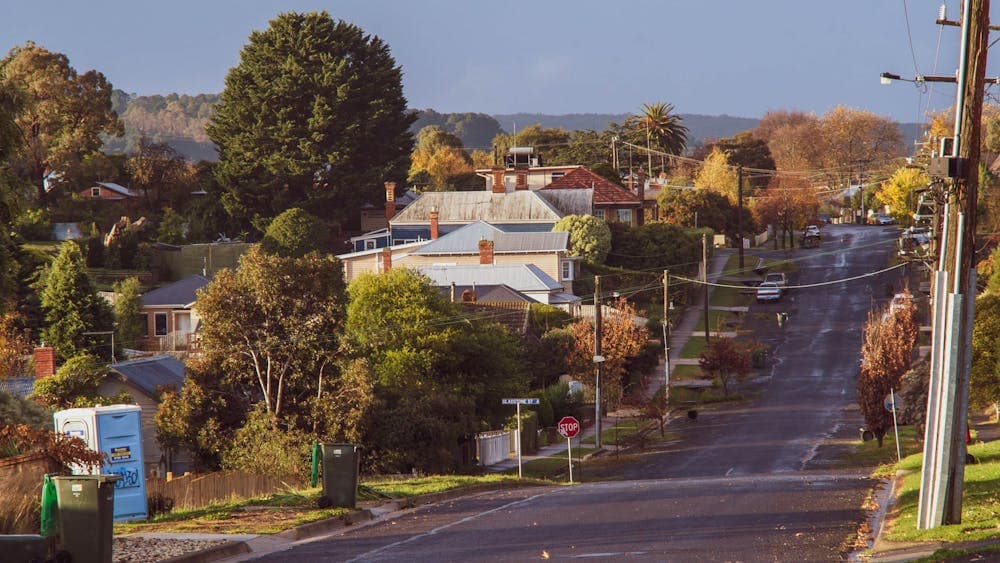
727, 360
886, 352
621, 340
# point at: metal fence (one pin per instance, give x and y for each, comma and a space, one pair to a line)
494, 447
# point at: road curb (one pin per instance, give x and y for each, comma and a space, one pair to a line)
214, 553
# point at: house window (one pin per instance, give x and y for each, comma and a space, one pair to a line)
160, 320
144, 323
369, 244
95, 192
567, 270
625, 216
557, 175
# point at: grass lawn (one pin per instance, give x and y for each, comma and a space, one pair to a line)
729, 297
685, 371
716, 321
868, 454
980, 506
694, 347
549, 467
620, 434
280, 511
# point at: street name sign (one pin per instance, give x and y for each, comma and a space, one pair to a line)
519, 401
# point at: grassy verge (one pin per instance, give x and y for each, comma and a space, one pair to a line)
694, 346
716, 320
684, 372
980, 505
281, 511
550, 467
868, 454
620, 434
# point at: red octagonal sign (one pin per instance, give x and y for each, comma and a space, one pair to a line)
568, 426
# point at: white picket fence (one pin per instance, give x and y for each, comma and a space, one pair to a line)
494, 447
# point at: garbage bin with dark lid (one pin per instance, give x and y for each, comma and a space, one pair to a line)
86, 510
340, 475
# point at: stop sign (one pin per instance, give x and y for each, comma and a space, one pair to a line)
568, 427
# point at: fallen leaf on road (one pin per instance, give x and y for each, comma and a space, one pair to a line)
545, 554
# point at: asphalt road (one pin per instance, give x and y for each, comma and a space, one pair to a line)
748, 482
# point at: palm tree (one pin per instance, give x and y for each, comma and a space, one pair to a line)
663, 129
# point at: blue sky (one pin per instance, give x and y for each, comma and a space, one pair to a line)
735, 57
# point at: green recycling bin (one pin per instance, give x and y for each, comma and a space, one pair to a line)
340, 476
86, 511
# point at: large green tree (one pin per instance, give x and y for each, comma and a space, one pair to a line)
128, 308
440, 371
273, 324
700, 207
62, 115
662, 129
313, 116
295, 233
72, 306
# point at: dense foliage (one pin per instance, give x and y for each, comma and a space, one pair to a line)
589, 237
313, 116
72, 306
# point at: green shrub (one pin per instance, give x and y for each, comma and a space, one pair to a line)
34, 224
262, 447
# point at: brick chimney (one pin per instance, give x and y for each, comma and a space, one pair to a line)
434, 223
498, 176
45, 361
485, 252
390, 201
386, 259
521, 175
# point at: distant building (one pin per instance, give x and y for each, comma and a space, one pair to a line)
108, 191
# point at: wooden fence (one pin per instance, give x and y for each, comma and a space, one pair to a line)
195, 491
21, 481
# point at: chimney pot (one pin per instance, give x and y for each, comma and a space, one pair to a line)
498, 179
390, 201
44, 360
434, 223
386, 259
521, 175
485, 252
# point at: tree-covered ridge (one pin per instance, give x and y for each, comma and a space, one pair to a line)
176, 119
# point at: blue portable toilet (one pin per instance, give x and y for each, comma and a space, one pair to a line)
115, 431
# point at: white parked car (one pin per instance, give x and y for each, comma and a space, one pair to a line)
768, 291
811, 231
777, 278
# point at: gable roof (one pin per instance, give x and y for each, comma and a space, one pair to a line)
181, 293
500, 293
149, 374
606, 192
117, 188
521, 277
466, 241
467, 207
570, 202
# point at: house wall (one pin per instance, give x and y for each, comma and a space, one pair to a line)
173, 340
106, 194
370, 263
151, 450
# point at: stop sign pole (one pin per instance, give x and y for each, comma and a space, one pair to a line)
569, 426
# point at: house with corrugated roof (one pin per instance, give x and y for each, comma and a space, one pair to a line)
525, 278
610, 201
107, 191
145, 380
169, 316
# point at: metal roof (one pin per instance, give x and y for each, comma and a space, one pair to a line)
571, 202
466, 241
488, 293
117, 188
151, 374
467, 207
181, 293
522, 277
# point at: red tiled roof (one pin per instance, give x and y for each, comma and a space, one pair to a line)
606, 192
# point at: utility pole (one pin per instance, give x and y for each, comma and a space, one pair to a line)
598, 360
739, 212
704, 277
954, 286
614, 153
666, 334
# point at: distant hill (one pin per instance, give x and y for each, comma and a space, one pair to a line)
700, 127
179, 120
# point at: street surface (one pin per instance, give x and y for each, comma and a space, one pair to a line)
744, 482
